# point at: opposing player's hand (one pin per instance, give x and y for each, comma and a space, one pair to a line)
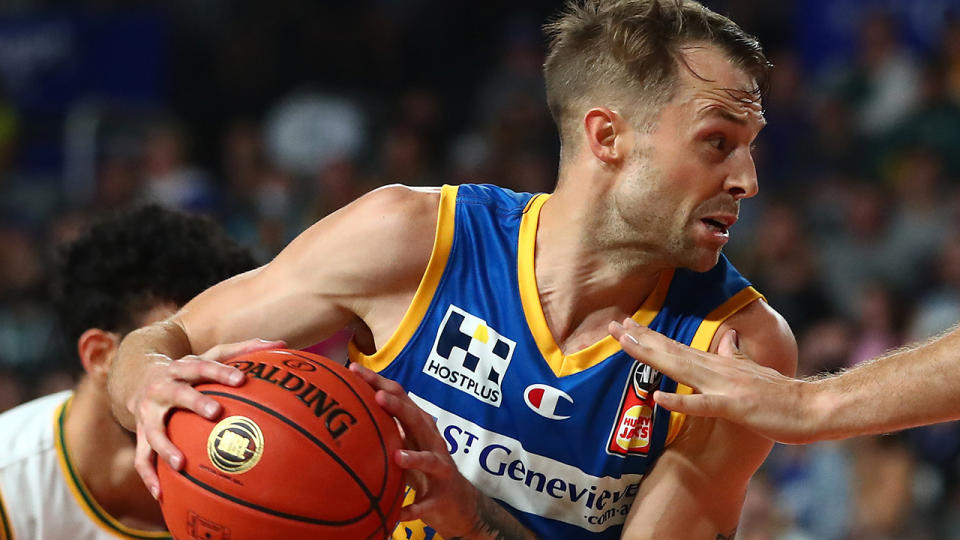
729, 384
445, 500
167, 385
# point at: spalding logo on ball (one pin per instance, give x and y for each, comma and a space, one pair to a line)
302, 451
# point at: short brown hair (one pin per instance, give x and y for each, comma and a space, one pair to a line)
628, 51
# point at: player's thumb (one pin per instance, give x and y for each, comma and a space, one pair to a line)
729, 344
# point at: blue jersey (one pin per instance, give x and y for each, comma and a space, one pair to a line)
562, 441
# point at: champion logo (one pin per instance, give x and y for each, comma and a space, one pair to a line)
545, 400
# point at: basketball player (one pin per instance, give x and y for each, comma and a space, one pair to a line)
481, 314
66, 467
909, 387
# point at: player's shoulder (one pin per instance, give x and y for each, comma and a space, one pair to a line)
397, 202
29, 428
765, 336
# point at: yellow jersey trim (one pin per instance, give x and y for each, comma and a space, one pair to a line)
702, 340
6, 529
94, 511
425, 290
561, 364
412, 530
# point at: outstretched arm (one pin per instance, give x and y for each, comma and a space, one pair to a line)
912, 386
697, 487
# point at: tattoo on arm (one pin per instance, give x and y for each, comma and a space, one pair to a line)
729, 536
494, 522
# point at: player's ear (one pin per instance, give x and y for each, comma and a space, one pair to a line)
606, 133
96, 349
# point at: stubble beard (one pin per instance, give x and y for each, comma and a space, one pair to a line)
645, 231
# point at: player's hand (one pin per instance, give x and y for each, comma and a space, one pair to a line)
445, 500
167, 385
730, 384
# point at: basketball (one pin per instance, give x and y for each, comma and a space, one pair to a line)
301, 451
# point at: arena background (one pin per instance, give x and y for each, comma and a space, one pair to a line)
269, 115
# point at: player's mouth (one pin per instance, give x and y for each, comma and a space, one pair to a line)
719, 225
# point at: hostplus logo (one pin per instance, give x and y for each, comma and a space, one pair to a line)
470, 356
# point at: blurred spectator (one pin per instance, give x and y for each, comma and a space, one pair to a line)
883, 487
277, 213
306, 130
918, 218
167, 177
763, 517
9, 128
879, 324
26, 321
813, 489
934, 127
856, 254
883, 85
789, 134
337, 184
12, 392
939, 309
782, 264
950, 47
405, 158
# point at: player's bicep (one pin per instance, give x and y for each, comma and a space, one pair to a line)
257, 305
328, 276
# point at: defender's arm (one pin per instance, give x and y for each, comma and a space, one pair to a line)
697, 487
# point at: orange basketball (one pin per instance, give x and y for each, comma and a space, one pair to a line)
301, 451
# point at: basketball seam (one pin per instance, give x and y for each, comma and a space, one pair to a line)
373, 500
383, 446
277, 513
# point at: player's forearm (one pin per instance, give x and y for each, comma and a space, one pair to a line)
913, 386
139, 351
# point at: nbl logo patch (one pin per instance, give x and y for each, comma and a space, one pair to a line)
470, 356
633, 430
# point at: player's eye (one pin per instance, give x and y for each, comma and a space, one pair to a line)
719, 143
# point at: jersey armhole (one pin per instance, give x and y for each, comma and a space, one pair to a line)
701, 341
442, 244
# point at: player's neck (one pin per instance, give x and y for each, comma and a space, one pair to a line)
102, 453
581, 288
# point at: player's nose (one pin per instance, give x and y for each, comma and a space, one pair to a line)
742, 181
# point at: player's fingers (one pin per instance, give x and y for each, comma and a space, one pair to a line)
420, 430
729, 344
144, 464
414, 511
195, 369
226, 351
692, 404
677, 361
377, 381
416, 481
163, 396
427, 462
164, 448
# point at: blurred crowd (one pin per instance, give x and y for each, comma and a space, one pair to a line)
269, 116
